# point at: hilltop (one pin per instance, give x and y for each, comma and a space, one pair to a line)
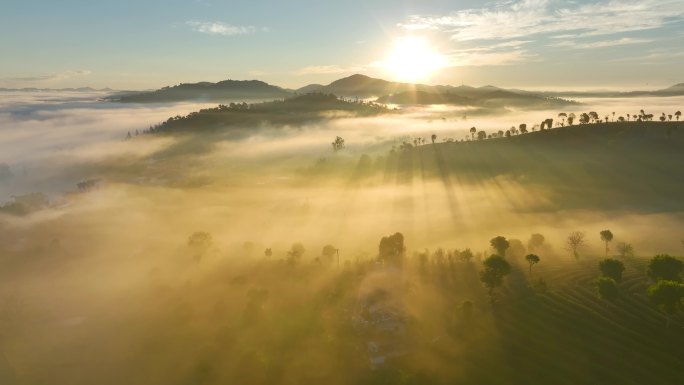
244, 117
628, 165
206, 91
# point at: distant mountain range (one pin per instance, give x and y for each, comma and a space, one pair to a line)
206, 91
362, 87
32, 89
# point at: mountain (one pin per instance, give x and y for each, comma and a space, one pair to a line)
205, 91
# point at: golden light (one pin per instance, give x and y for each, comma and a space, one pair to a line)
413, 59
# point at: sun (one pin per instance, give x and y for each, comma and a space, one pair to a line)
413, 59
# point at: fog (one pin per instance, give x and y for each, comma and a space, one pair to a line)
101, 285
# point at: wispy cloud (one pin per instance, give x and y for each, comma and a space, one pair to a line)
525, 18
54, 76
601, 43
222, 29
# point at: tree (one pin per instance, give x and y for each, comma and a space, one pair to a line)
678, 114
200, 242
575, 241
612, 268
523, 128
584, 118
606, 236
532, 259
500, 244
466, 255
433, 137
338, 144
667, 295
571, 118
481, 135
473, 131
329, 252
495, 269
391, 249
607, 288
625, 250
562, 116
295, 254
536, 241
268, 253
665, 267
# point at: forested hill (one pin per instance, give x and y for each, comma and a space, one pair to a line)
293, 111
617, 165
206, 91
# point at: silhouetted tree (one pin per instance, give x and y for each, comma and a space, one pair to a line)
663, 117
500, 244
495, 269
523, 128
481, 135
593, 115
338, 144
295, 254
328, 253
473, 131
571, 118
607, 288
665, 267
391, 249
532, 259
612, 268
200, 242
625, 249
536, 242
268, 253
584, 118
606, 236
433, 137
563, 116
678, 114
575, 241
667, 295
466, 255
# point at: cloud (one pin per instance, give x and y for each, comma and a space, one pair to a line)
55, 76
526, 18
222, 29
601, 44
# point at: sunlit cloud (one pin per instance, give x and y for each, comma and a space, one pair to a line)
531, 17
221, 29
601, 44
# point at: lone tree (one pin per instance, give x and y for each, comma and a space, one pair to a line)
295, 254
678, 114
606, 236
575, 241
433, 137
667, 295
391, 249
607, 288
612, 268
532, 259
625, 250
328, 253
500, 244
665, 267
200, 242
338, 144
473, 131
495, 269
536, 242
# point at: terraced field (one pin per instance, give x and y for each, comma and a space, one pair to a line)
568, 335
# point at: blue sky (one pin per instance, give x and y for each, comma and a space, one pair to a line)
143, 44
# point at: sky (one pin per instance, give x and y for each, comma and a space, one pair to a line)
147, 44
